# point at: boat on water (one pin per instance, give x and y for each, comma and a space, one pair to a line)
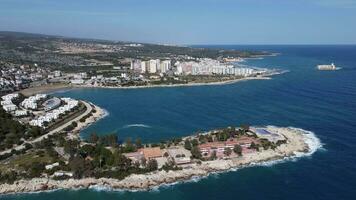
327, 67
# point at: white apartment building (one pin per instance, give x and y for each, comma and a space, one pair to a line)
31, 102
136, 65
165, 65
54, 114
143, 67
153, 66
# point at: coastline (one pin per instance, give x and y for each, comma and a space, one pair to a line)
58, 88
300, 143
181, 84
99, 114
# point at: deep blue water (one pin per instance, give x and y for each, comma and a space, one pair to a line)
323, 102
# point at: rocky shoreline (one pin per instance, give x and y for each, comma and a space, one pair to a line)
299, 143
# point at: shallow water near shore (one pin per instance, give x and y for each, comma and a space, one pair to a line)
323, 102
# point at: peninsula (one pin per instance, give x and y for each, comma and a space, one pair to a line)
62, 161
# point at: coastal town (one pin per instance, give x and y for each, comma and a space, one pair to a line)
59, 63
154, 72
40, 144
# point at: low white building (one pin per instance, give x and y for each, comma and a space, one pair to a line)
51, 166
9, 107
58, 174
20, 113
77, 81
54, 114
31, 102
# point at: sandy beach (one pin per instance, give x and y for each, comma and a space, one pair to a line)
299, 143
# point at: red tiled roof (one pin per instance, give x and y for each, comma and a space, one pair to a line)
151, 152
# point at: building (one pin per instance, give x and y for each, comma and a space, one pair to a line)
219, 147
135, 156
9, 107
143, 66
51, 103
77, 81
151, 153
153, 66
267, 134
60, 173
51, 166
180, 155
136, 65
20, 113
31, 102
165, 65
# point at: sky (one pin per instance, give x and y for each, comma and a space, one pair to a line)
187, 21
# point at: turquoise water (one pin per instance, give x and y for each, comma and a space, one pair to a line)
323, 102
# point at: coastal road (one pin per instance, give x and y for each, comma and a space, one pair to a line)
56, 130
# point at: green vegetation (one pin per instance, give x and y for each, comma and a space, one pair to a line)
104, 156
45, 50
13, 132
238, 150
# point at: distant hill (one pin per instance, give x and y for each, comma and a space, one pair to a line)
76, 53
25, 35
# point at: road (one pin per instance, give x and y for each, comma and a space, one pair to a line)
56, 130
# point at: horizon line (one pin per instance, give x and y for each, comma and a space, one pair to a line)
176, 44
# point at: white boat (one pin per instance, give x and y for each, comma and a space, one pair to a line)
327, 67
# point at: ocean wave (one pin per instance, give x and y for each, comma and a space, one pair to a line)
106, 113
100, 188
136, 125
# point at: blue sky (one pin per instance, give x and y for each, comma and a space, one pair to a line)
187, 21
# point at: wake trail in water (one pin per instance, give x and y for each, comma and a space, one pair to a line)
136, 125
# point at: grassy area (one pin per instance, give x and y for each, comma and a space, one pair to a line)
19, 162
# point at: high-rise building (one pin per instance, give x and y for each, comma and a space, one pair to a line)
136, 65
143, 67
165, 65
153, 66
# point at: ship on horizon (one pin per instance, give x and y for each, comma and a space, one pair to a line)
327, 67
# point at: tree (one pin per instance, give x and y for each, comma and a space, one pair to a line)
195, 142
122, 162
187, 144
143, 162
253, 146
152, 165
88, 150
106, 157
77, 165
196, 152
35, 169
129, 147
227, 151
93, 138
245, 127
213, 155
238, 149
138, 143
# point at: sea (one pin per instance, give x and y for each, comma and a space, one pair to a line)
322, 102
